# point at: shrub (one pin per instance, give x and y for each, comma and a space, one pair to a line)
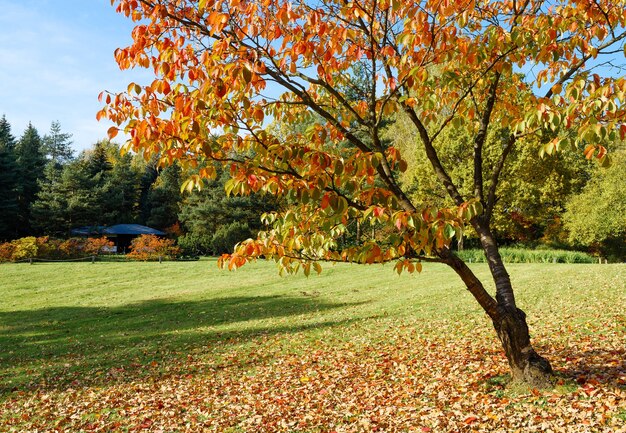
226, 237
520, 255
97, 246
193, 244
6, 251
24, 248
151, 247
52, 249
73, 248
49, 248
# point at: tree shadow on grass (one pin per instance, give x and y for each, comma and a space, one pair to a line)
58, 347
599, 366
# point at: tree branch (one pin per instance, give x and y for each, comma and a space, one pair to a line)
570, 73
480, 138
491, 197
431, 154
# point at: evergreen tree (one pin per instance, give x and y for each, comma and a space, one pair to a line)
97, 167
6, 138
125, 188
30, 162
8, 182
214, 222
117, 189
58, 145
49, 212
98, 161
82, 192
69, 198
163, 201
149, 175
83, 206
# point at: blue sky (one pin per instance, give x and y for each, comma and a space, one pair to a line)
55, 57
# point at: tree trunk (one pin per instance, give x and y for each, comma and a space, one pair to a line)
509, 321
526, 365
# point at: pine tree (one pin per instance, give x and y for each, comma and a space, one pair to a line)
164, 198
125, 189
214, 222
30, 162
8, 182
57, 145
79, 189
147, 179
98, 159
49, 212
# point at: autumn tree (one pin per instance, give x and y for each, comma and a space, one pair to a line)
228, 65
532, 192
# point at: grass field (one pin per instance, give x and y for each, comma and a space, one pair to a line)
185, 347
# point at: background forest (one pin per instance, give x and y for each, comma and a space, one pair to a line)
566, 202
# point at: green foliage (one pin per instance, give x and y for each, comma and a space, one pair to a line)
122, 190
100, 187
97, 160
65, 200
9, 187
163, 198
49, 210
30, 162
193, 244
57, 145
227, 236
7, 139
531, 193
520, 255
215, 222
596, 218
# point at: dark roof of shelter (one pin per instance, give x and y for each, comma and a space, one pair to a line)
118, 229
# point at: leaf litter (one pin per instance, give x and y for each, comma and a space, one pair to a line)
404, 377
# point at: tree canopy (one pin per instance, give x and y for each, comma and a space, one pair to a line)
445, 64
597, 216
9, 186
58, 144
545, 73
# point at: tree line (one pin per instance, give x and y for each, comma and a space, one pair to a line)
555, 202
47, 190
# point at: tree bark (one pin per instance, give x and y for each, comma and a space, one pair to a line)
526, 364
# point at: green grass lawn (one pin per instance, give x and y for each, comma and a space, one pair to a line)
98, 328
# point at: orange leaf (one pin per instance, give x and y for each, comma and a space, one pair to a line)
470, 419
589, 151
112, 132
325, 201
